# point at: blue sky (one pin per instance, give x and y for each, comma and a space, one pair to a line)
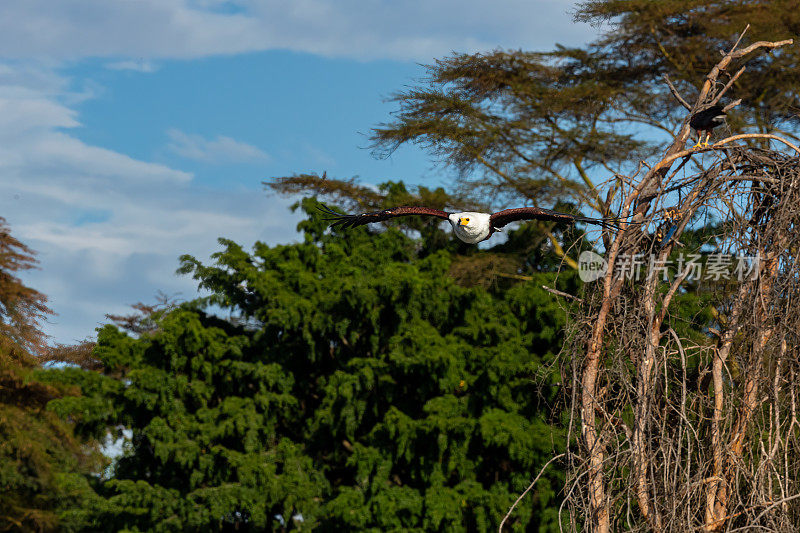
134, 132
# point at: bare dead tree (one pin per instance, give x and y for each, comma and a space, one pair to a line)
690, 424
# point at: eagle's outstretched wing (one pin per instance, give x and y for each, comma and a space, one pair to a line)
501, 218
351, 221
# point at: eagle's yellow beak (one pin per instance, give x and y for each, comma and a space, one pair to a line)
463, 221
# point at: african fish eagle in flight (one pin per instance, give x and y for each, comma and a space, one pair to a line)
706, 120
468, 226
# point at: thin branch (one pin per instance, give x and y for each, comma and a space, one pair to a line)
676, 94
760, 44
741, 35
756, 136
559, 250
731, 105
513, 276
765, 511
560, 293
727, 86
668, 298
559, 456
601, 207
667, 160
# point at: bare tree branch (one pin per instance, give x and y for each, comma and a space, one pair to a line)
503, 521
676, 94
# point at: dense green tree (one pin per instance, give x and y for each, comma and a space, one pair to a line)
206, 410
351, 385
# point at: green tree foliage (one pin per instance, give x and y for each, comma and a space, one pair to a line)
42, 464
353, 385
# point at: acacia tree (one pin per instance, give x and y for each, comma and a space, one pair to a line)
549, 127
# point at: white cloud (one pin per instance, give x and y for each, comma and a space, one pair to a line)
20, 114
153, 212
140, 65
108, 228
411, 30
218, 150
32, 145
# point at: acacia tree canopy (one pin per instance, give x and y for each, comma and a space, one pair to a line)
547, 127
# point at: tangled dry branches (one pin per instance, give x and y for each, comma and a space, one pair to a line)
689, 415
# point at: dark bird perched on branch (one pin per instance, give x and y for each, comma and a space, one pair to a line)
468, 226
706, 120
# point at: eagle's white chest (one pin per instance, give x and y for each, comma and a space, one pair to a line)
470, 227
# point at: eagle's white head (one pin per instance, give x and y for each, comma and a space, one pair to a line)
470, 227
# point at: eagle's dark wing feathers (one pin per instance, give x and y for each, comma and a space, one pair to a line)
351, 221
708, 119
501, 218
